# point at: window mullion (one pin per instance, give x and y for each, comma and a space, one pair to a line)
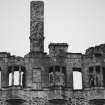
20, 76
12, 75
54, 75
94, 75
101, 75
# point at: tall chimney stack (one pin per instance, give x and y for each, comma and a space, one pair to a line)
37, 26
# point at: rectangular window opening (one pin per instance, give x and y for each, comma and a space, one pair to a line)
0, 79
50, 69
90, 69
77, 79
64, 70
10, 79
98, 69
16, 77
104, 76
57, 69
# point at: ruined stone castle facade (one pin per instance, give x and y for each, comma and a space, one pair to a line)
39, 78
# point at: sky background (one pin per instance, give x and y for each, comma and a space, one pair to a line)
80, 23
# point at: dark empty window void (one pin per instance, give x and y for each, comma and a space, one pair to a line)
98, 54
77, 69
91, 77
90, 69
51, 76
16, 76
104, 76
57, 68
77, 79
50, 69
0, 77
94, 76
97, 69
98, 76
64, 70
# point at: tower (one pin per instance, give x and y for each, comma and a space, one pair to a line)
37, 26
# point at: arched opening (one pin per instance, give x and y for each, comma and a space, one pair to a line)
16, 75
77, 79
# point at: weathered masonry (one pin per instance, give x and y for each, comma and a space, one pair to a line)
49, 79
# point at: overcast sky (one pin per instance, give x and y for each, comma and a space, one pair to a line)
80, 23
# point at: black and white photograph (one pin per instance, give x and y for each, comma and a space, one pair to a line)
52, 52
